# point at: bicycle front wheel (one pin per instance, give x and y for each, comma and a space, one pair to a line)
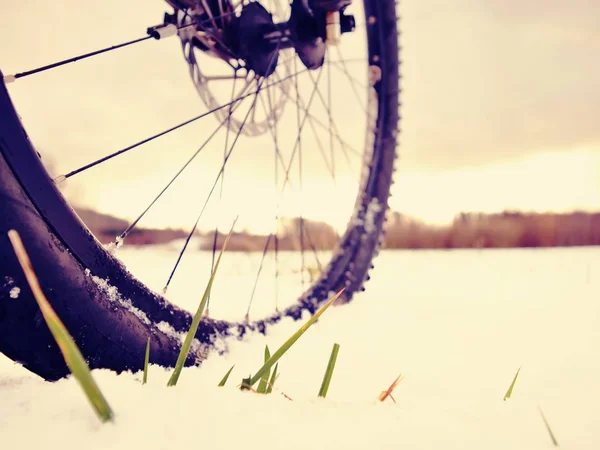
108, 311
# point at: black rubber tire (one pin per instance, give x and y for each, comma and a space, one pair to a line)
112, 329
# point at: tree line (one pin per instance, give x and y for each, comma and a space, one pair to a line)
468, 230
508, 229
504, 230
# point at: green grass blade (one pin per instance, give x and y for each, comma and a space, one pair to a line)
185, 348
146, 362
329, 371
226, 377
73, 357
272, 380
554, 441
512, 386
262, 386
249, 382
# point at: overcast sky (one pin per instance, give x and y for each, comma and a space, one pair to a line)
501, 103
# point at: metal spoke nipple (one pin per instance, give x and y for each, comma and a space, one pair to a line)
162, 31
113, 246
59, 179
9, 79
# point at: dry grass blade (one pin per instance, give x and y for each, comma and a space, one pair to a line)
287, 396
73, 357
226, 377
185, 348
249, 382
512, 386
146, 362
390, 390
554, 441
329, 371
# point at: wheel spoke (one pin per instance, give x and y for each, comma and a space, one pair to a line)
273, 130
349, 60
299, 146
352, 82
321, 148
329, 113
220, 173
351, 78
277, 206
301, 124
301, 127
313, 247
260, 267
311, 122
315, 120
16, 76
179, 172
214, 249
277, 268
220, 78
343, 144
185, 245
62, 178
209, 12
289, 166
333, 125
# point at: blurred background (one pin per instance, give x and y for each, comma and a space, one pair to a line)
500, 144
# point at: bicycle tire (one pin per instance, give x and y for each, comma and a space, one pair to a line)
112, 327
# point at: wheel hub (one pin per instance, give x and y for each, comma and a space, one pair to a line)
250, 29
252, 38
254, 42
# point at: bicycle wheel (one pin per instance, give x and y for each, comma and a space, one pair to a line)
107, 310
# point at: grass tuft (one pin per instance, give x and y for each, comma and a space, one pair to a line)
73, 357
262, 386
226, 377
390, 390
185, 348
146, 362
247, 383
329, 371
512, 386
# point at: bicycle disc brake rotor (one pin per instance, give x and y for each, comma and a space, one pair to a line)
206, 31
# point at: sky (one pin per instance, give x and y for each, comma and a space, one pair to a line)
500, 106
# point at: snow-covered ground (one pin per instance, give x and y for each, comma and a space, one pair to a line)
456, 324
